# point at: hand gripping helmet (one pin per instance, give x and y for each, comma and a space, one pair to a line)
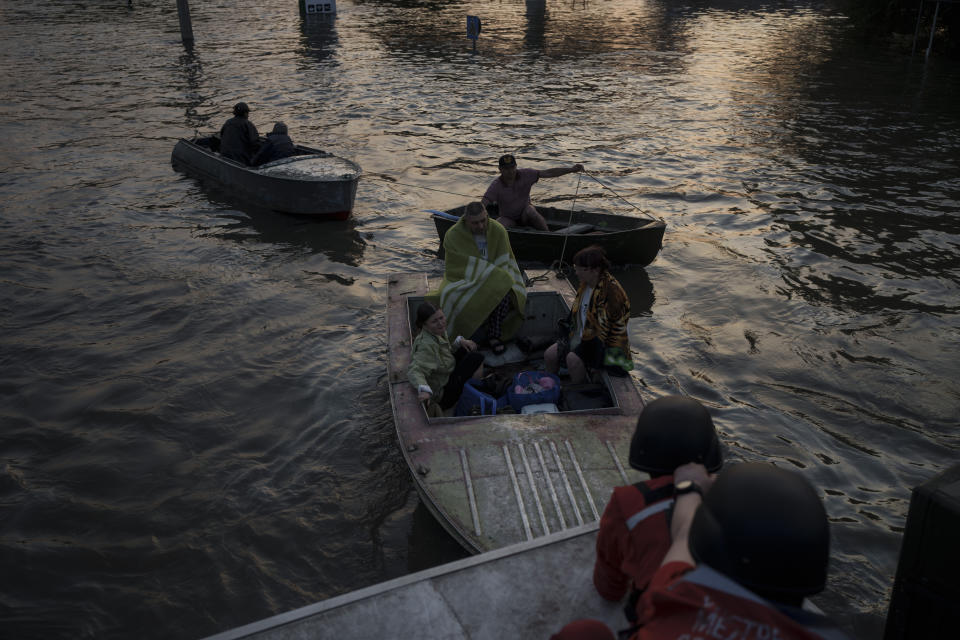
672, 431
766, 528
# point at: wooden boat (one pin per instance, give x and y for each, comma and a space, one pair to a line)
534, 588
312, 182
626, 239
497, 480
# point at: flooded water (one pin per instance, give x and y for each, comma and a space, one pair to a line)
196, 431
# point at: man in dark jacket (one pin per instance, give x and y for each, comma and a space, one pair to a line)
278, 145
238, 137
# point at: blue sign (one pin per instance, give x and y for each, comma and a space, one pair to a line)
473, 27
321, 6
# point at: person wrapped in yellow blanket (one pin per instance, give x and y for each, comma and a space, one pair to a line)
482, 284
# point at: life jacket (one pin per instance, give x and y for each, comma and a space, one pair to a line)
705, 603
634, 536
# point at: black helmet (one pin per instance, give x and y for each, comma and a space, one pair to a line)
241, 109
766, 528
672, 431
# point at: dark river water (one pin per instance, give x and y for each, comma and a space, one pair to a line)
196, 431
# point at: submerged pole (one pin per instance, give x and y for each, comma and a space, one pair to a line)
916, 30
186, 28
933, 29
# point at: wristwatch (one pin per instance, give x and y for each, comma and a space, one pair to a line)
686, 486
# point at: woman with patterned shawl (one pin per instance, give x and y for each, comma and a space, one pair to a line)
481, 280
597, 336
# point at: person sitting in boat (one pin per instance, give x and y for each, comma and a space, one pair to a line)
238, 137
634, 531
596, 332
278, 146
746, 549
438, 369
482, 285
511, 192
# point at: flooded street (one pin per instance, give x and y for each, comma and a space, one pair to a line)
196, 430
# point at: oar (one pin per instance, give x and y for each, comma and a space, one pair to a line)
443, 214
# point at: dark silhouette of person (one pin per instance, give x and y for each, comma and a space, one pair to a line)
238, 137
278, 146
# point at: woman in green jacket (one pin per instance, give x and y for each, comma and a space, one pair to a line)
438, 369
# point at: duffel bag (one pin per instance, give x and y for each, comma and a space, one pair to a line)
533, 387
474, 402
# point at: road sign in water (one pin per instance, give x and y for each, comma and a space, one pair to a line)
312, 7
473, 27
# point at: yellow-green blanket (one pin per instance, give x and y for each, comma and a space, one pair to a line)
472, 287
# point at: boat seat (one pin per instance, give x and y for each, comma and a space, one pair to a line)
576, 229
585, 396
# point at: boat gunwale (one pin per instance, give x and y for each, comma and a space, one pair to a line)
626, 239
629, 225
282, 624
255, 171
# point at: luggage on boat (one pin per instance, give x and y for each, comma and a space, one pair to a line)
533, 387
474, 402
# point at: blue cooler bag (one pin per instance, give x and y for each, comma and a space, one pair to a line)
473, 397
530, 380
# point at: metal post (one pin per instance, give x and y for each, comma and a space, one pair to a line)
186, 28
916, 30
933, 29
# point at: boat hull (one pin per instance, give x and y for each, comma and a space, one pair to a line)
278, 186
493, 481
625, 239
534, 588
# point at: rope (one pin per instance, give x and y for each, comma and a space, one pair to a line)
388, 183
566, 236
559, 267
649, 215
527, 281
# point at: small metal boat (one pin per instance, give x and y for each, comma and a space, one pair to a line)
501, 479
532, 589
625, 239
312, 182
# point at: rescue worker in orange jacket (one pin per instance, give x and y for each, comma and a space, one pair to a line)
745, 552
634, 529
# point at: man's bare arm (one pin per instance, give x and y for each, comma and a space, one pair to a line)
684, 508
560, 171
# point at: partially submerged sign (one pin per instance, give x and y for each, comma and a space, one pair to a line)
473, 27
314, 7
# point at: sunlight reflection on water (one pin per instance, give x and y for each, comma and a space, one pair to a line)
194, 389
